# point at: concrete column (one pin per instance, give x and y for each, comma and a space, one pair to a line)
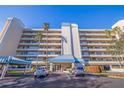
51, 66
5, 68
73, 65
110, 67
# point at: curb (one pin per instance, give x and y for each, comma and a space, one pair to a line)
117, 77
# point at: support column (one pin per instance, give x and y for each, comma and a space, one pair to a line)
51, 67
73, 65
110, 67
25, 69
5, 68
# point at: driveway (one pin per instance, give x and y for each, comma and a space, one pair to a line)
61, 80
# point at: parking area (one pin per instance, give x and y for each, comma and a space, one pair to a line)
61, 80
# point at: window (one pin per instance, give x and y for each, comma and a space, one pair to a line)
85, 53
86, 59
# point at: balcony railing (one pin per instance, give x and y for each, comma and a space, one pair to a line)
96, 44
30, 34
103, 62
42, 39
93, 34
27, 55
37, 49
57, 44
96, 55
96, 39
93, 49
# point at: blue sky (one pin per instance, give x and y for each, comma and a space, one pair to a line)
100, 17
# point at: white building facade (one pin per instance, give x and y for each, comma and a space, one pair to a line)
88, 44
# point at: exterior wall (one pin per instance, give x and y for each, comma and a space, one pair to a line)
10, 37
76, 40
29, 49
71, 40
94, 44
120, 24
66, 39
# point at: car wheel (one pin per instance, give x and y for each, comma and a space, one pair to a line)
40, 76
35, 76
76, 75
47, 74
83, 75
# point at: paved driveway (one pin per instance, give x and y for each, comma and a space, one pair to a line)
61, 81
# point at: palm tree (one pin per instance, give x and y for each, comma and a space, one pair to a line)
38, 38
120, 46
46, 27
114, 49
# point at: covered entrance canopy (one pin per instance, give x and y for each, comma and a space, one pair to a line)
66, 58
64, 62
6, 60
13, 60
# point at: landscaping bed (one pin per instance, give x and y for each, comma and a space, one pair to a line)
18, 73
111, 74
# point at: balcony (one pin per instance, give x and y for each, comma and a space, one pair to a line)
37, 49
27, 55
44, 44
96, 39
96, 55
49, 34
103, 62
92, 34
93, 49
58, 39
96, 44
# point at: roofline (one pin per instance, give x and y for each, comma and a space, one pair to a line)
38, 29
93, 29
60, 29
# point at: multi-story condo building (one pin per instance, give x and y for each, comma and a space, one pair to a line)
89, 44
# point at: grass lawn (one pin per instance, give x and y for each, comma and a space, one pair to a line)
18, 72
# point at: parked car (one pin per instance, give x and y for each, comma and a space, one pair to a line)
79, 71
40, 72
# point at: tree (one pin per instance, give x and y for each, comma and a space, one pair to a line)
115, 49
38, 38
46, 27
119, 44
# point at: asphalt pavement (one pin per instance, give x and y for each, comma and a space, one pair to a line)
61, 80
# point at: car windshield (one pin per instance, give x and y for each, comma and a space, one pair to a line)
40, 68
80, 68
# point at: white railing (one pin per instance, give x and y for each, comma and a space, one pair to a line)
42, 39
43, 34
37, 49
95, 39
40, 44
103, 62
91, 49
96, 44
96, 55
27, 55
93, 34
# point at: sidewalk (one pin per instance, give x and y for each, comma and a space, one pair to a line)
111, 74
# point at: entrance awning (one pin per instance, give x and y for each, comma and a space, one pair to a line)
66, 59
6, 60
13, 60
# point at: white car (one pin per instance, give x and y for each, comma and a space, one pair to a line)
79, 71
40, 72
